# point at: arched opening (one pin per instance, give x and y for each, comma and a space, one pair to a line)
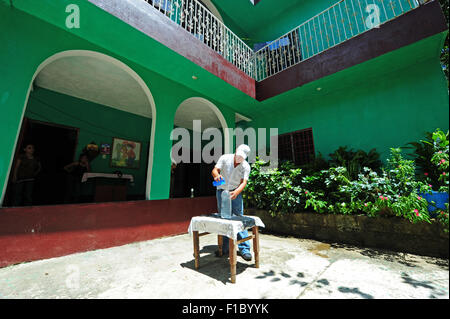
208, 140
84, 102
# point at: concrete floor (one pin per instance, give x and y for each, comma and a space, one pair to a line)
290, 268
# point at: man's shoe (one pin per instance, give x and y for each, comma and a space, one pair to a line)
245, 256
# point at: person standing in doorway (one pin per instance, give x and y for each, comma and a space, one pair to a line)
25, 171
76, 171
235, 170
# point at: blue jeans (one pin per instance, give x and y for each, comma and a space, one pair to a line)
237, 208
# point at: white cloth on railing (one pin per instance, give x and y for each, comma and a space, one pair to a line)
86, 176
225, 227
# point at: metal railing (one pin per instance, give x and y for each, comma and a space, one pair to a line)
340, 22
195, 18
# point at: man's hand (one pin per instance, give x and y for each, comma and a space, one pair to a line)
216, 174
234, 194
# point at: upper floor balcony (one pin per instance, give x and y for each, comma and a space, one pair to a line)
341, 23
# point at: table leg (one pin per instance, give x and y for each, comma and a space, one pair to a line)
256, 245
233, 260
196, 249
220, 243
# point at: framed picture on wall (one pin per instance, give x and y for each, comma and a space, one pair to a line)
125, 153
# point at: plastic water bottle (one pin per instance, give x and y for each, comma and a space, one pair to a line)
225, 208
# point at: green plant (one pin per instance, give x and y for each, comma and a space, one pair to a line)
431, 158
440, 158
354, 162
316, 165
393, 192
423, 152
401, 173
443, 218
276, 190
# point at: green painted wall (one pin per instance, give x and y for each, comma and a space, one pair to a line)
96, 123
376, 113
269, 19
25, 42
381, 103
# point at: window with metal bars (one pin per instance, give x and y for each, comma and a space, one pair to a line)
297, 147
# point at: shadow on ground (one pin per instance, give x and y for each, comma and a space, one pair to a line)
217, 268
391, 256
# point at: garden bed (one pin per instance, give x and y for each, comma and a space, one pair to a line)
396, 234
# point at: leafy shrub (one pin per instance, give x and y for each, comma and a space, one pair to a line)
392, 191
354, 162
316, 165
428, 155
440, 158
275, 190
443, 217
423, 152
288, 190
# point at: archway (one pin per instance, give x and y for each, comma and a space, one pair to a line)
93, 78
195, 175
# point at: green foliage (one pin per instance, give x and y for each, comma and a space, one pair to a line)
423, 152
443, 217
355, 161
440, 158
316, 165
401, 173
392, 191
276, 190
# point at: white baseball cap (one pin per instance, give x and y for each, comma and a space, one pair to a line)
243, 151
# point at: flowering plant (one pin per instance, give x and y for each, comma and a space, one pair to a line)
440, 158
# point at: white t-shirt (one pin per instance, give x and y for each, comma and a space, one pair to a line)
231, 174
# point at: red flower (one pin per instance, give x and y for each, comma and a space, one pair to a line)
419, 198
443, 173
306, 192
417, 214
426, 174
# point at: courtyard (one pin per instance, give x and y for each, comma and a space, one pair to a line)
290, 268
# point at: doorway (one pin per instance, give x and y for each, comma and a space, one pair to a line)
192, 179
55, 147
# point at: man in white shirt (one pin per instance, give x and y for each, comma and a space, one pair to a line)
235, 170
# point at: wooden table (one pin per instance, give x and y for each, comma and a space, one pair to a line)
232, 247
109, 187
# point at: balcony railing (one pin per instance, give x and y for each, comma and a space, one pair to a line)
195, 18
340, 22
